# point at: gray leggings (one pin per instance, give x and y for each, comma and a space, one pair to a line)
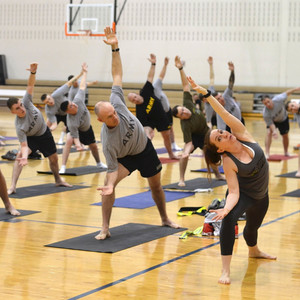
255, 213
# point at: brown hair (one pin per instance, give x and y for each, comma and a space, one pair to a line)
212, 157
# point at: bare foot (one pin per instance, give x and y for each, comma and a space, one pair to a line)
181, 183
174, 157
11, 210
254, 252
103, 236
11, 191
287, 154
63, 183
225, 278
170, 223
297, 174
260, 254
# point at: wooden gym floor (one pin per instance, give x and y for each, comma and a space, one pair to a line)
167, 268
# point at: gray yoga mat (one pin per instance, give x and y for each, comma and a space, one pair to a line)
6, 216
122, 237
197, 183
78, 171
295, 193
43, 189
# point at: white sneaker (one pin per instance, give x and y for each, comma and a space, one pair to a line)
62, 170
102, 165
175, 147
60, 143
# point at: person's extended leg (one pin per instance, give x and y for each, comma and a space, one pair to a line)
66, 152
4, 196
158, 196
17, 169
255, 215
167, 141
285, 142
268, 142
182, 168
94, 149
53, 163
107, 204
175, 147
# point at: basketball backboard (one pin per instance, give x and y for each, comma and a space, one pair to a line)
88, 17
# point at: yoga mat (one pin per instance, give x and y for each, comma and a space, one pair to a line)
43, 189
198, 183
8, 145
205, 170
6, 138
6, 216
278, 157
289, 175
122, 237
144, 200
295, 193
165, 160
78, 171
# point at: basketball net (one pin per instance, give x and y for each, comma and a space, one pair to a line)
84, 35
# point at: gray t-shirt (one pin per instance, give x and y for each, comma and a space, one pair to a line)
128, 138
278, 112
82, 120
59, 97
231, 106
32, 124
158, 92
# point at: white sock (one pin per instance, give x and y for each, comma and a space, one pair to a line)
62, 169
61, 139
101, 165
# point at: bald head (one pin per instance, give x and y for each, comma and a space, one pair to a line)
106, 113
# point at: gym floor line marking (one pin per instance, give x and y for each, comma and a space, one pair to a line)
166, 262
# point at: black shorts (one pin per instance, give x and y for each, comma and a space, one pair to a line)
87, 137
284, 126
44, 143
161, 123
198, 140
60, 118
146, 162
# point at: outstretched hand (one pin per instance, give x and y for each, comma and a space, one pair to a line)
166, 61
106, 190
196, 87
178, 62
230, 66
84, 67
33, 67
152, 58
210, 60
111, 38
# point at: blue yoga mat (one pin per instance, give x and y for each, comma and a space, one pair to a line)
205, 170
144, 200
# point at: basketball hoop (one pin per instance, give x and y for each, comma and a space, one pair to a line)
84, 34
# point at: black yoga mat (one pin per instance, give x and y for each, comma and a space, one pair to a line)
198, 183
43, 189
295, 193
122, 237
78, 171
289, 175
6, 216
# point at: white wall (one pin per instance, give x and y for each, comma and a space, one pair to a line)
262, 38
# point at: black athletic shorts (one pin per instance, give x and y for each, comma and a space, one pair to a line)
87, 137
44, 143
284, 126
146, 162
161, 123
60, 118
198, 141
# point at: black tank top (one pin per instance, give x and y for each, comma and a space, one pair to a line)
253, 177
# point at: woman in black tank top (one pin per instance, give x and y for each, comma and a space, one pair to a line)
247, 174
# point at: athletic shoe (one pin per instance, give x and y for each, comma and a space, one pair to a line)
101, 165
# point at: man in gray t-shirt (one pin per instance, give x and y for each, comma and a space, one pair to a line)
125, 145
275, 116
79, 125
32, 132
52, 107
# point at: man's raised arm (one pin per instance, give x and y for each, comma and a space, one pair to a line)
231, 77
31, 80
151, 72
116, 66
